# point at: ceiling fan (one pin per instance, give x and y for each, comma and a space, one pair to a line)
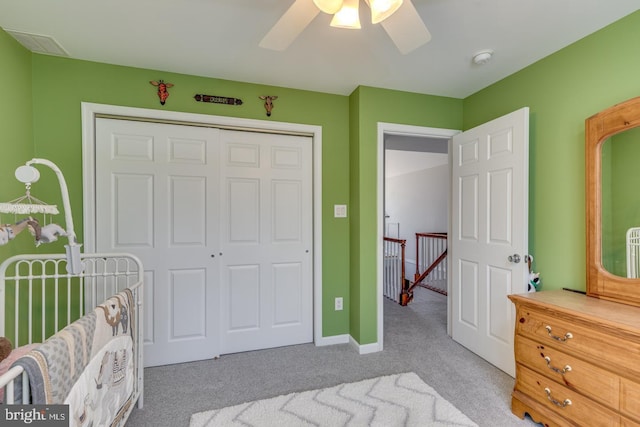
399, 18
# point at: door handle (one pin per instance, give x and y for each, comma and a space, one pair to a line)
515, 258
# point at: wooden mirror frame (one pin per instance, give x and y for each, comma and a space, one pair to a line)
598, 128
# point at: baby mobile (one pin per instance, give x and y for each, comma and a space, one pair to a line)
35, 215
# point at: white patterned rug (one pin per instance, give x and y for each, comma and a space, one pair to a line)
395, 400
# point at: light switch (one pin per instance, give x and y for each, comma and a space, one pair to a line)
340, 211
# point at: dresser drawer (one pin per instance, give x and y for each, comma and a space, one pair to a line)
574, 373
592, 344
630, 399
563, 401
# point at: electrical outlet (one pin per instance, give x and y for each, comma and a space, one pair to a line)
338, 303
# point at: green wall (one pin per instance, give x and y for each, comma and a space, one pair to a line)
368, 107
562, 90
17, 145
17, 134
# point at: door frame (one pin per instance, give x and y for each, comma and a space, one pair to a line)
402, 130
92, 111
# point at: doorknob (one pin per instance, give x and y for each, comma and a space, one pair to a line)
515, 258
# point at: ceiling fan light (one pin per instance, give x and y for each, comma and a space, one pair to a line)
348, 16
382, 9
328, 6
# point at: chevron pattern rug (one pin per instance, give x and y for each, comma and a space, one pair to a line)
394, 400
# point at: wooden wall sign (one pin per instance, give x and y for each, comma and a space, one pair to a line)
217, 99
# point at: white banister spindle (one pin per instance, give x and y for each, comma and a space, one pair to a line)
393, 268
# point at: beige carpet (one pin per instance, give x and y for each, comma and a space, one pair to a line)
394, 400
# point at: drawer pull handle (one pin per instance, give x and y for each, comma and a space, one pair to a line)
563, 404
554, 369
567, 336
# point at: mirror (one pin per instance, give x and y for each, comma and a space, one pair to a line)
613, 199
620, 200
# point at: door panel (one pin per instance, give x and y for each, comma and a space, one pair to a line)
287, 295
188, 295
499, 314
132, 190
468, 202
499, 197
468, 292
187, 218
244, 297
489, 202
287, 201
243, 201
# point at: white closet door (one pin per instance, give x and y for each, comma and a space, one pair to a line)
266, 262
157, 197
222, 221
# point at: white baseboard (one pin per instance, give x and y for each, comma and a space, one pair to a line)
333, 340
348, 339
366, 348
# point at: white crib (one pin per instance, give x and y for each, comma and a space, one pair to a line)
44, 299
633, 252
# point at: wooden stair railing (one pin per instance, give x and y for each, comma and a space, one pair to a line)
407, 292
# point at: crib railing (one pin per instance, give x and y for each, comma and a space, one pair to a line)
41, 298
394, 268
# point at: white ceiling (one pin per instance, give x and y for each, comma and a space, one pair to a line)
219, 38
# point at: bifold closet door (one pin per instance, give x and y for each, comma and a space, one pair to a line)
157, 192
222, 221
266, 262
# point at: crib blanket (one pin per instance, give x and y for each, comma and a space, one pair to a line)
88, 365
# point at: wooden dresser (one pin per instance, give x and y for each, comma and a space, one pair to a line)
577, 360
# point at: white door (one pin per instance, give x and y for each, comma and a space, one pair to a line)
266, 248
159, 195
156, 197
489, 234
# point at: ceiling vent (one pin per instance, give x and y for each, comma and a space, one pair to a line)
38, 43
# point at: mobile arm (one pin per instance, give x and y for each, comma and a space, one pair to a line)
28, 174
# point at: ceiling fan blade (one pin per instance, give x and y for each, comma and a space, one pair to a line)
290, 25
406, 29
